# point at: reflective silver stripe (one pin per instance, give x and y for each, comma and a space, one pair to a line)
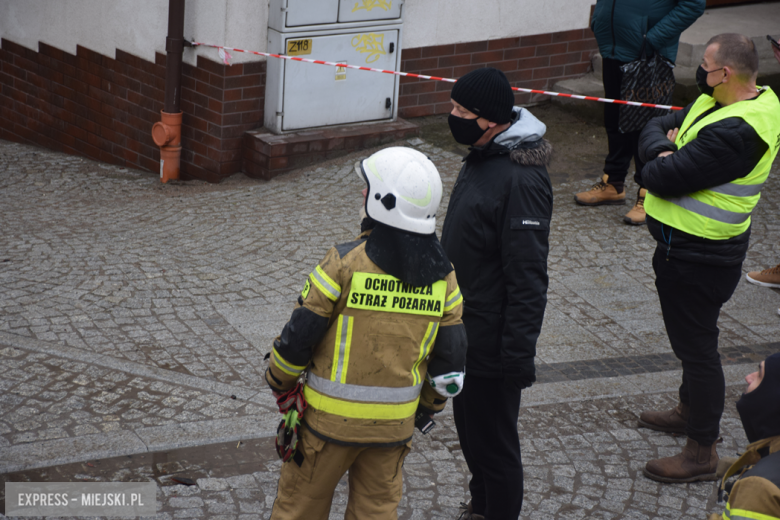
705, 210
342, 346
431, 336
373, 394
424, 349
738, 190
281, 363
453, 299
326, 284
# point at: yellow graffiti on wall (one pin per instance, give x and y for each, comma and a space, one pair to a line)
370, 4
372, 44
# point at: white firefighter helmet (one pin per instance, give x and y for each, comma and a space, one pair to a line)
404, 189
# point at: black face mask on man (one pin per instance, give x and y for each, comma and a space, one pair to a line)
701, 80
465, 131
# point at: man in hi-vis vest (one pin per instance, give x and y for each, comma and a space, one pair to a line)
705, 169
378, 333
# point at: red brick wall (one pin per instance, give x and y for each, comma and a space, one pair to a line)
103, 108
534, 62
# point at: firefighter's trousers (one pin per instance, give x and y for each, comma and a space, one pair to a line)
375, 481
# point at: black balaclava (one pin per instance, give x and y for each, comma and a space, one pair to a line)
760, 409
415, 259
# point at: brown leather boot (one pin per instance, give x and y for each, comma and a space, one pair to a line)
670, 421
637, 215
694, 463
600, 194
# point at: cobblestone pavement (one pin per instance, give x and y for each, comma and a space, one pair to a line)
134, 317
582, 460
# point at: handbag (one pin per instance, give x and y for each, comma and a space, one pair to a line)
646, 80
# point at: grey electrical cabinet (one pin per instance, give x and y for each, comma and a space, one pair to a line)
356, 32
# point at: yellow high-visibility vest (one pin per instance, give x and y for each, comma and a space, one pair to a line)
722, 212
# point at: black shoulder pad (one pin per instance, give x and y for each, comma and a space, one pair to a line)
343, 249
768, 468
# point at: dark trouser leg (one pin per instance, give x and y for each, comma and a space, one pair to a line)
622, 147
691, 296
486, 418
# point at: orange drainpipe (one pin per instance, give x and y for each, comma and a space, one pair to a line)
167, 135
167, 132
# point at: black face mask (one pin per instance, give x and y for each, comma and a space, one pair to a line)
760, 409
701, 80
465, 131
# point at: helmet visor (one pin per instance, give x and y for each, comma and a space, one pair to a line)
360, 172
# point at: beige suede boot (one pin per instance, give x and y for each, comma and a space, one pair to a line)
601, 193
637, 215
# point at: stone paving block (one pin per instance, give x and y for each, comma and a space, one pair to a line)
213, 484
222, 430
607, 486
58, 450
148, 306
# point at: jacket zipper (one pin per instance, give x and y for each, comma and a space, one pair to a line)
612, 27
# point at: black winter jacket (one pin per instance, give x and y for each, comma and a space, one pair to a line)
722, 152
496, 235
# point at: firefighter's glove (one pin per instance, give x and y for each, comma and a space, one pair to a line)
447, 385
291, 404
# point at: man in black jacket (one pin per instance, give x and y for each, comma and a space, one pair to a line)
705, 169
496, 235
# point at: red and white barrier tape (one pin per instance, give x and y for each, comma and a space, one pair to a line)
422, 76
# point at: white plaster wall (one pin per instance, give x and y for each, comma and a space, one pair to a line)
140, 26
135, 26
439, 22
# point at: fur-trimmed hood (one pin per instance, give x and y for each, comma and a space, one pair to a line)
537, 155
523, 140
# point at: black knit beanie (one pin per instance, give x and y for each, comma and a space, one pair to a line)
487, 93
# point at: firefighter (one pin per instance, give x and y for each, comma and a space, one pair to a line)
756, 493
377, 334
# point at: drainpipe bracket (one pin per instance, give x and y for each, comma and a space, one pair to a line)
174, 45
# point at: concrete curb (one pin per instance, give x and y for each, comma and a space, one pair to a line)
161, 438
143, 440
114, 444
130, 367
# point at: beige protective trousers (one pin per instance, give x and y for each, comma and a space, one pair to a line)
375, 481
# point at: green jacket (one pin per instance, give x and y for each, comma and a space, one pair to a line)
620, 25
